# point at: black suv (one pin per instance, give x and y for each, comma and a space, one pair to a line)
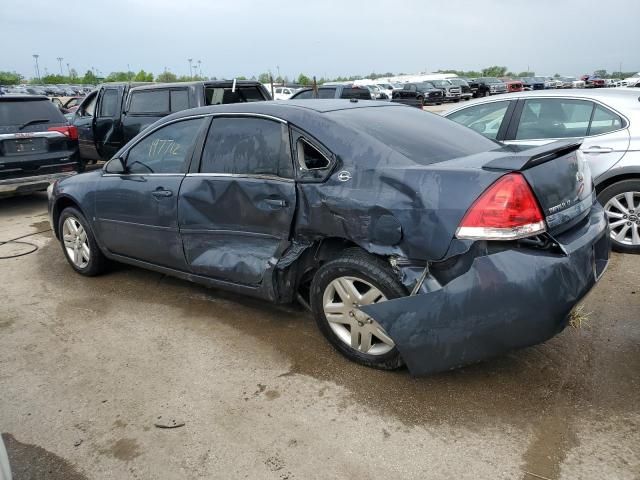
116, 112
334, 91
37, 145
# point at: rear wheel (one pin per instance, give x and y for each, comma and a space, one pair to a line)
338, 289
621, 202
487, 93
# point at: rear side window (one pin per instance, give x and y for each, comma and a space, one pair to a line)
554, 118
484, 119
247, 146
223, 95
150, 101
309, 157
179, 100
109, 103
422, 137
19, 112
604, 121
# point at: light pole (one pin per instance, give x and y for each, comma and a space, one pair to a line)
190, 70
35, 56
278, 67
68, 70
60, 63
200, 68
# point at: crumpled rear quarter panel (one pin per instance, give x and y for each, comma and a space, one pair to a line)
507, 300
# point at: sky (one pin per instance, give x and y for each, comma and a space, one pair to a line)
323, 38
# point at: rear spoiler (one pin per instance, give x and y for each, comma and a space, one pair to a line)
530, 157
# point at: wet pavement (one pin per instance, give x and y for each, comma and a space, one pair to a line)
89, 366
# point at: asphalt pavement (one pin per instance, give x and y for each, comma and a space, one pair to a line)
92, 369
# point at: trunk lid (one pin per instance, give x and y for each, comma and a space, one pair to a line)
559, 177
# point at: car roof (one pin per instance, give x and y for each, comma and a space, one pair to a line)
284, 109
153, 86
619, 98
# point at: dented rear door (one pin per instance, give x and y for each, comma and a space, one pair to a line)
235, 212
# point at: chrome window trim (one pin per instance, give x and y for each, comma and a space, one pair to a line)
248, 114
143, 174
202, 115
190, 117
242, 175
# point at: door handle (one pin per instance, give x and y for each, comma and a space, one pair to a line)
161, 193
275, 202
597, 149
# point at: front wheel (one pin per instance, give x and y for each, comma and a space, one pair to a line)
621, 202
79, 244
338, 289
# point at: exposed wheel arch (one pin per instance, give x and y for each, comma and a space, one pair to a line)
59, 206
618, 178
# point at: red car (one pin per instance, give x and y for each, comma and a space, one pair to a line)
593, 82
514, 86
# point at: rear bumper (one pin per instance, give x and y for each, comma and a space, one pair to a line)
31, 184
506, 300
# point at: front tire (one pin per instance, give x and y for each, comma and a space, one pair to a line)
621, 202
78, 243
338, 288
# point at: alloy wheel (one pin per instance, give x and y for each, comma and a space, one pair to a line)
623, 214
341, 302
76, 242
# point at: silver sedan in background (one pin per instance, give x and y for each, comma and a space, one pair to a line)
609, 122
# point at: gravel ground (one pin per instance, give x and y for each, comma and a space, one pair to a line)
90, 366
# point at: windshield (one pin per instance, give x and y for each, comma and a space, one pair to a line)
440, 83
489, 80
422, 137
539, 79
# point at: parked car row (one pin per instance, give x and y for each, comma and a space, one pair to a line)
49, 90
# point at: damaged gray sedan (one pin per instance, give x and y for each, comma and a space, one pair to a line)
412, 239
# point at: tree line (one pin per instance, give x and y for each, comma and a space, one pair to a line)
90, 78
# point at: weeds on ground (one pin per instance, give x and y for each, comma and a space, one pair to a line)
578, 318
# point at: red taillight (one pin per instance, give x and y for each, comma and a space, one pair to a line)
507, 210
69, 131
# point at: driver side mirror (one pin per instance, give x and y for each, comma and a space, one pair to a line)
115, 166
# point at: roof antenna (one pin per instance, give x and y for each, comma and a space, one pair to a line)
233, 88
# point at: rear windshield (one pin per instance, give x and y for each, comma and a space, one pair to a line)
19, 112
222, 95
423, 137
356, 92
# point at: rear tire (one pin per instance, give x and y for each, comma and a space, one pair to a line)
621, 202
356, 276
79, 245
